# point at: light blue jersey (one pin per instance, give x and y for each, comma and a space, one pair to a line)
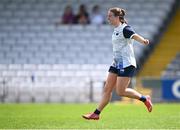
123, 53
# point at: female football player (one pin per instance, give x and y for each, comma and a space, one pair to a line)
124, 64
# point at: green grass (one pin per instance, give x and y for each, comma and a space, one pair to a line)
120, 116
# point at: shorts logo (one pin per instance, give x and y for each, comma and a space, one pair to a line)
121, 70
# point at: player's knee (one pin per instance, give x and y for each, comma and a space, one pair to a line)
107, 89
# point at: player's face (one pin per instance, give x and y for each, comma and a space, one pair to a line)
111, 18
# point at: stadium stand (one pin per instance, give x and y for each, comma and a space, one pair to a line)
163, 65
168, 47
156, 85
42, 62
172, 71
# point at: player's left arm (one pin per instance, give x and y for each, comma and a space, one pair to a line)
128, 32
140, 39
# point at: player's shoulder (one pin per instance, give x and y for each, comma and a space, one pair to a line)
127, 26
128, 31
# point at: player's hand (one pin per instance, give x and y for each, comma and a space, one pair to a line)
146, 41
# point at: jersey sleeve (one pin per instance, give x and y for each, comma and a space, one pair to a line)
128, 32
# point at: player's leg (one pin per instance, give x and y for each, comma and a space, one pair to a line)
106, 96
107, 91
122, 90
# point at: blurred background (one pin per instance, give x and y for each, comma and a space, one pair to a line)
60, 50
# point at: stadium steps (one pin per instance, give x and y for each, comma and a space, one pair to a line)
165, 51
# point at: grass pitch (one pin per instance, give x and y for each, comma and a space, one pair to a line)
68, 116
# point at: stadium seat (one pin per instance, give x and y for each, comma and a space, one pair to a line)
36, 53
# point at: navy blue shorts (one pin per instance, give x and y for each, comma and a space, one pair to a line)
124, 72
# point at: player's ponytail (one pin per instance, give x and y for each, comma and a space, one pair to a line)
120, 13
121, 16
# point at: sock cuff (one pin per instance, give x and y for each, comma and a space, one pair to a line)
142, 98
97, 111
